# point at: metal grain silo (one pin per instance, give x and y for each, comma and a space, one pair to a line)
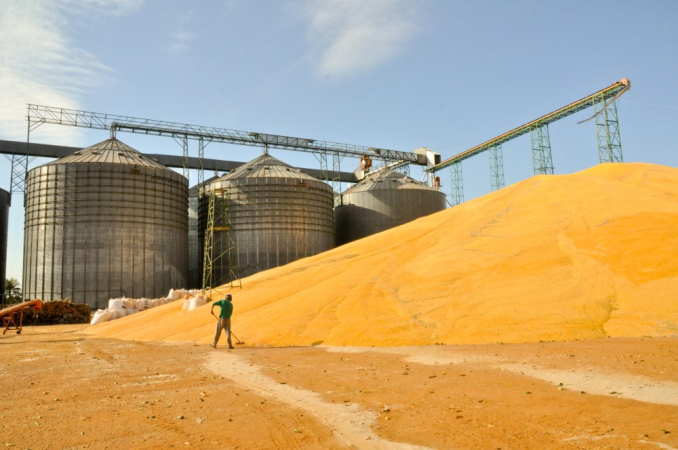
5, 201
383, 199
104, 222
278, 215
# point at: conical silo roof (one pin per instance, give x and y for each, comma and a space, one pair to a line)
266, 166
110, 151
386, 178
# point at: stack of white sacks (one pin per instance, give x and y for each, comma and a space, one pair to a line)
121, 307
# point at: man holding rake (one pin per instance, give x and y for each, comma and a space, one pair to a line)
224, 320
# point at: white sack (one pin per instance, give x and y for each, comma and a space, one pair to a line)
100, 316
196, 301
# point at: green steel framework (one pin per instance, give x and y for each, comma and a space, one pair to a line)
607, 129
608, 94
542, 161
218, 252
607, 125
496, 167
457, 184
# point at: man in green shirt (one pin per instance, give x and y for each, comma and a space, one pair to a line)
224, 320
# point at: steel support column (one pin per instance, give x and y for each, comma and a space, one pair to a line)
542, 161
457, 185
496, 167
607, 128
18, 176
183, 141
201, 165
322, 159
19, 171
336, 170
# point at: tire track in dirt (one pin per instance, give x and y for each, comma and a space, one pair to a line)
350, 424
619, 385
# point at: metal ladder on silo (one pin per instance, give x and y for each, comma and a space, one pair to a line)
218, 250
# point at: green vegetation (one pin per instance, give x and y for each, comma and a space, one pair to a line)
12, 291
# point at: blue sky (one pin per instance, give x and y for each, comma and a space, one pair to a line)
397, 74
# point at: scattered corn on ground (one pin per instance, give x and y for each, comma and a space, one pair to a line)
558, 257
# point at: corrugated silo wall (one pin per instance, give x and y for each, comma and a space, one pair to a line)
94, 231
275, 221
361, 214
194, 262
5, 201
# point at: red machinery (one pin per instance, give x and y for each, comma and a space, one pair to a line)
8, 313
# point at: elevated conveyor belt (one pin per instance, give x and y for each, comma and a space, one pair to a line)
39, 114
607, 95
58, 151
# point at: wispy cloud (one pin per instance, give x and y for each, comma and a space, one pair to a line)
103, 7
353, 36
180, 41
40, 64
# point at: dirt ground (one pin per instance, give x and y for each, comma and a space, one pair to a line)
64, 389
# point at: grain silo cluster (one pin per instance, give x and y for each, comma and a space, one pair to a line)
108, 222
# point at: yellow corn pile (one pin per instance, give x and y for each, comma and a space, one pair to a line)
555, 257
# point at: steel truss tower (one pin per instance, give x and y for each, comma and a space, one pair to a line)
496, 167
219, 263
19, 173
457, 185
607, 128
542, 161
